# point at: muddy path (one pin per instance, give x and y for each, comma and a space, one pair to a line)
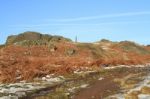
96, 85
107, 86
98, 90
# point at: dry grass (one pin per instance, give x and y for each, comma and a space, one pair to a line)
25, 63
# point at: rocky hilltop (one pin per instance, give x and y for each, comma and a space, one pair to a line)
31, 54
33, 38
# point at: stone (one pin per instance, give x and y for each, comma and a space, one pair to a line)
44, 78
145, 90
131, 96
71, 51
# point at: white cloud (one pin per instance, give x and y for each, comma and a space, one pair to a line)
101, 16
61, 22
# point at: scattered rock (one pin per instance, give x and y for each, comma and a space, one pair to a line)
20, 94
131, 96
44, 78
84, 86
101, 78
145, 90
71, 52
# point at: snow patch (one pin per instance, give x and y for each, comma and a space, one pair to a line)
143, 96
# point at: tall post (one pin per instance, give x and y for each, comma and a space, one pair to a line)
76, 39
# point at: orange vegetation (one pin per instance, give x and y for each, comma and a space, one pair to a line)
25, 63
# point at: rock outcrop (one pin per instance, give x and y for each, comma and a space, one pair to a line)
33, 38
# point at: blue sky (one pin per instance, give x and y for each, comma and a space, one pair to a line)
90, 20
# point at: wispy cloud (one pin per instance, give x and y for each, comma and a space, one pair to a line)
102, 16
70, 21
68, 24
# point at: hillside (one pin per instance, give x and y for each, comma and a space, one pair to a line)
32, 54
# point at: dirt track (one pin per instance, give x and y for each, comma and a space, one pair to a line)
98, 90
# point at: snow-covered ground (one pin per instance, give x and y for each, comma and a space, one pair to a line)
16, 90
